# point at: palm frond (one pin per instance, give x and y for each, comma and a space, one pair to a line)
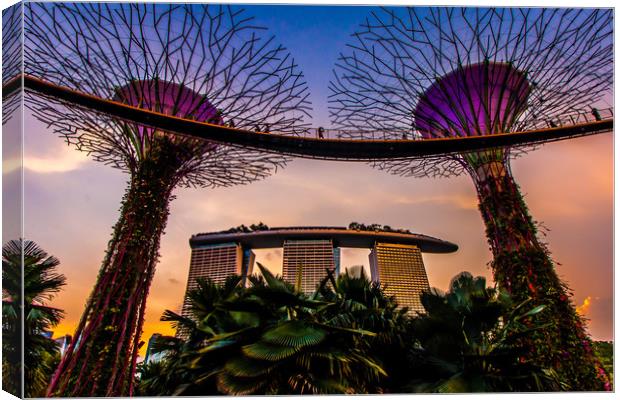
178, 321
248, 368
268, 351
294, 334
237, 386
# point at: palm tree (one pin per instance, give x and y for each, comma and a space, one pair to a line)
270, 339
287, 343
471, 340
359, 303
348, 337
40, 283
171, 375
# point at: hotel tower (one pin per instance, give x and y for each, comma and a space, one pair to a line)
305, 262
216, 262
309, 251
400, 269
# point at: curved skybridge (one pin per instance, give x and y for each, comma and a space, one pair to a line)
320, 143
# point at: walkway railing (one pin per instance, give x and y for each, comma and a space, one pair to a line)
569, 119
575, 118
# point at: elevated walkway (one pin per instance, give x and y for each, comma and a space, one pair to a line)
335, 144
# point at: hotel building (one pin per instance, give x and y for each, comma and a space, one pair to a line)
395, 257
400, 269
217, 262
307, 262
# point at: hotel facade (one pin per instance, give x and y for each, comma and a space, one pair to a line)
400, 270
308, 252
216, 262
305, 262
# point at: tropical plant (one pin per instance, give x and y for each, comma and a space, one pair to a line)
359, 303
285, 344
172, 373
40, 283
270, 339
605, 353
471, 340
152, 379
347, 337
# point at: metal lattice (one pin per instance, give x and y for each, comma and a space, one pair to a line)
215, 51
11, 57
566, 55
426, 73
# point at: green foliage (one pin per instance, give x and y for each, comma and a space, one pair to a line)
294, 334
375, 228
348, 337
605, 353
292, 349
470, 341
247, 229
266, 339
357, 302
523, 266
173, 373
40, 283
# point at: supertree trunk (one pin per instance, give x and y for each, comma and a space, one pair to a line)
523, 266
101, 360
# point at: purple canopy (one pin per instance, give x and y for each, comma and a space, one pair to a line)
167, 98
478, 99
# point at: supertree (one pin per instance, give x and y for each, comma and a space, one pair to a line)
206, 63
11, 59
422, 73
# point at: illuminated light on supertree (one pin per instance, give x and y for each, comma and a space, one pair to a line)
422, 73
475, 100
170, 99
198, 62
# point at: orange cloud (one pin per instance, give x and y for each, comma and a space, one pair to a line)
585, 306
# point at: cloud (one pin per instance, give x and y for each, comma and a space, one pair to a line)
585, 306
68, 161
11, 164
273, 255
457, 200
174, 281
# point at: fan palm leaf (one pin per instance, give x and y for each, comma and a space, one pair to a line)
470, 339
29, 280
294, 334
268, 351
248, 368
237, 386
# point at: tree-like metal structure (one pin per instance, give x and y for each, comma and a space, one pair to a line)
206, 63
11, 58
420, 73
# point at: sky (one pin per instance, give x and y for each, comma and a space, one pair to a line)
72, 202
